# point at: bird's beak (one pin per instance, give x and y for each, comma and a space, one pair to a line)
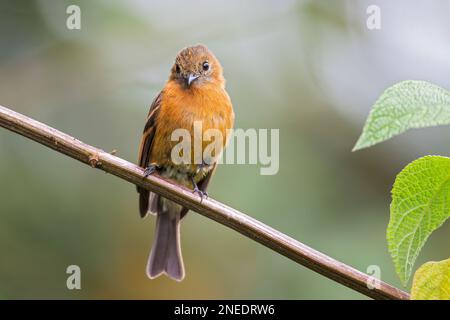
191, 79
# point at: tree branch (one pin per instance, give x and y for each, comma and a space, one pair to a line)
209, 208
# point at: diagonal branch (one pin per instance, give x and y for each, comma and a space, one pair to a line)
209, 208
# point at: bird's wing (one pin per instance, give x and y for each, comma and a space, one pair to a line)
145, 149
202, 185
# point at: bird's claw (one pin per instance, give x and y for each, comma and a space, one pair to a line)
149, 170
201, 193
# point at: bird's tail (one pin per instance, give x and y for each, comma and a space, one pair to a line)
165, 256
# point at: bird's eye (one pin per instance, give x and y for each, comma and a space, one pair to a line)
205, 66
177, 68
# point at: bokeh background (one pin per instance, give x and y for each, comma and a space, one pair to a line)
310, 68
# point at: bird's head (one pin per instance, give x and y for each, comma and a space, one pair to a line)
196, 66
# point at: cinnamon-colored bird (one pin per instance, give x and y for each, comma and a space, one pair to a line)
195, 91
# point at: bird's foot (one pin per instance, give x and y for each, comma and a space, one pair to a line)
201, 193
150, 170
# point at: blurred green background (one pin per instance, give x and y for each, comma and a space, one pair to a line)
310, 68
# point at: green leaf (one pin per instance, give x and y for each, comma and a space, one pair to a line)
420, 205
432, 281
405, 105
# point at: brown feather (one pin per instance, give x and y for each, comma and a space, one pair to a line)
145, 150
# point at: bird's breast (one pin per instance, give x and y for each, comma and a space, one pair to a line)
195, 111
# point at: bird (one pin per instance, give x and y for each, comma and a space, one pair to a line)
195, 91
